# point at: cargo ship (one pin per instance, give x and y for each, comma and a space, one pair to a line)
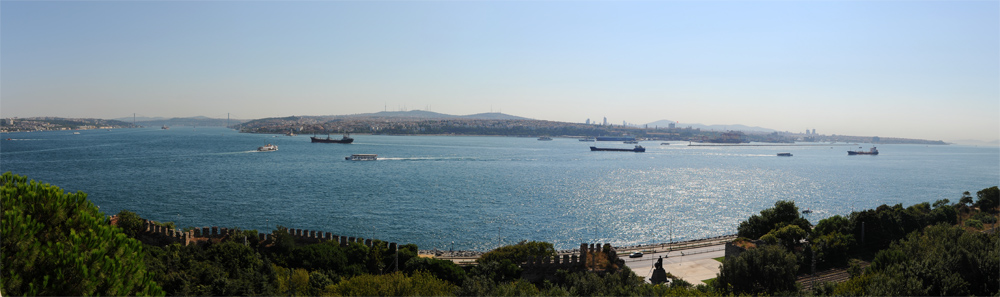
872, 151
345, 139
637, 149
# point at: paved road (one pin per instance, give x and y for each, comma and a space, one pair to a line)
693, 265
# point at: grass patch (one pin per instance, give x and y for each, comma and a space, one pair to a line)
719, 259
710, 282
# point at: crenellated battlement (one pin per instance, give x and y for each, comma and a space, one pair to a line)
216, 234
591, 257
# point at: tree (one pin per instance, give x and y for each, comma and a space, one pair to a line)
941, 260
520, 252
393, 284
783, 213
130, 223
292, 281
57, 243
763, 270
832, 224
443, 269
966, 199
788, 236
989, 199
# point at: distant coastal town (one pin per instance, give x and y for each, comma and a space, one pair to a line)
429, 123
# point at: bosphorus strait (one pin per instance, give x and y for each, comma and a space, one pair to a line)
474, 193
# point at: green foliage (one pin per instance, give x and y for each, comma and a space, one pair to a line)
788, 236
833, 249
832, 224
974, 223
855, 267
518, 253
989, 199
319, 281
393, 284
57, 243
763, 270
130, 223
783, 213
518, 287
886, 224
498, 271
322, 256
966, 199
985, 218
226, 268
618, 283
443, 269
943, 214
291, 281
941, 260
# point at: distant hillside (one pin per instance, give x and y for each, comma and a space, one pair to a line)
57, 123
140, 119
423, 114
744, 128
191, 121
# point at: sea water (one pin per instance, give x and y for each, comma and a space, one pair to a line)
475, 193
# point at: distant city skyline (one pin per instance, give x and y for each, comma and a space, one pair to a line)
911, 69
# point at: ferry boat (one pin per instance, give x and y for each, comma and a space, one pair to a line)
345, 139
545, 138
362, 157
630, 142
267, 148
784, 154
637, 149
872, 151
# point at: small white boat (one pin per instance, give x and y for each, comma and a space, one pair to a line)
362, 157
544, 138
267, 148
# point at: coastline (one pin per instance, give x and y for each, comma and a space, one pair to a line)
466, 257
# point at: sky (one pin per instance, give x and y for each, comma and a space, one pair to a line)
912, 69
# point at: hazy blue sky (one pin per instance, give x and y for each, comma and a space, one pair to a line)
917, 69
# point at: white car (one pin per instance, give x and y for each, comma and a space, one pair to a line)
635, 255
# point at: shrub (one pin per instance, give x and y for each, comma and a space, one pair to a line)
974, 223
985, 218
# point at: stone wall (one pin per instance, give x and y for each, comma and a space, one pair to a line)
164, 236
538, 269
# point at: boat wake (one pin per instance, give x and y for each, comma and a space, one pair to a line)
429, 159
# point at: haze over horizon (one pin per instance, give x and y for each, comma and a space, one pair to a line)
912, 69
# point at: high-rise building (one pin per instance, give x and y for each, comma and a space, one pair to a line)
588, 122
605, 121
814, 132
